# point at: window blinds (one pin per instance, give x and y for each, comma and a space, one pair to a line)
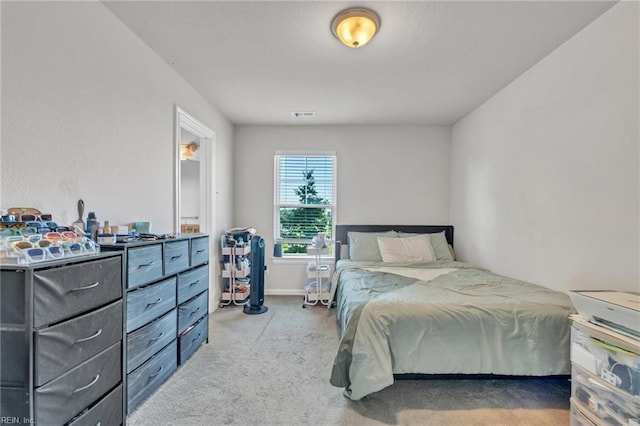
305, 196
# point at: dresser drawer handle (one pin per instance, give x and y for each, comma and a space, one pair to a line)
155, 338
176, 257
196, 338
87, 287
93, 336
193, 312
93, 382
199, 251
154, 303
144, 265
151, 376
194, 283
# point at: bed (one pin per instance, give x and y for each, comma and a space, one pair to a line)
403, 310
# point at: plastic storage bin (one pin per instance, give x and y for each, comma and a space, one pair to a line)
614, 365
606, 402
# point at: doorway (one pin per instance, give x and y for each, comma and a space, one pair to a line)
194, 149
190, 182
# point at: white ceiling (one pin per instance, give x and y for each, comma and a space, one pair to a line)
431, 63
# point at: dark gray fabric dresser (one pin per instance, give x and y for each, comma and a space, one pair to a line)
166, 301
61, 325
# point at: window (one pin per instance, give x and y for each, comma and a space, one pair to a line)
305, 204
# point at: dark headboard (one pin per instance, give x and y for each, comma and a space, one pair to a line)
342, 230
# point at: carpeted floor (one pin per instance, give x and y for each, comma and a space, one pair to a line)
274, 368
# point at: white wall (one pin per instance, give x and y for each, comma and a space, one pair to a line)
545, 177
88, 112
386, 175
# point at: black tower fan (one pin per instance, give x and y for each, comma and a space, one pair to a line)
256, 289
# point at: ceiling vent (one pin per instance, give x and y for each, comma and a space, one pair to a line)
303, 114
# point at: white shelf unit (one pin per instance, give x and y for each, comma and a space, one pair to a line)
318, 271
236, 272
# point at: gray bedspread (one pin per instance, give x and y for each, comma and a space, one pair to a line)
464, 321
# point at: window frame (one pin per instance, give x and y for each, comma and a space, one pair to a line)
277, 205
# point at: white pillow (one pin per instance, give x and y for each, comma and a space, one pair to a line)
410, 249
438, 244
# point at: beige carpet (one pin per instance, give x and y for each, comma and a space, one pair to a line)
274, 368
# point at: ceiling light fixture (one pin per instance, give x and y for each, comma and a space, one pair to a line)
187, 151
355, 27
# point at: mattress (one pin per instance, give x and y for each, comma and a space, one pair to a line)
444, 317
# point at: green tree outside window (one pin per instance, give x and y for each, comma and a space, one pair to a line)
301, 222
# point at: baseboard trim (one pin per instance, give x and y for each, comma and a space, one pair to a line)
284, 292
